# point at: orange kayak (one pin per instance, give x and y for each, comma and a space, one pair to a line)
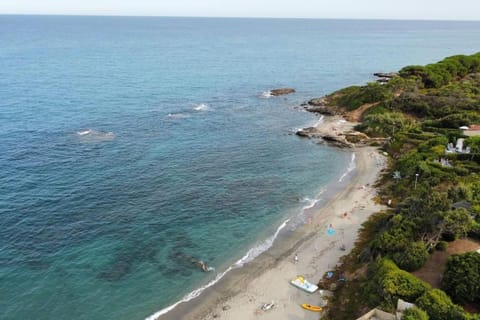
311, 308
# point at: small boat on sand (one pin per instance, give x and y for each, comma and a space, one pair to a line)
303, 284
311, 308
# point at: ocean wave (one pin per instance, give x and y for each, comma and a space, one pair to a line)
310, 203
177, 116
303, 216
266, 94
319, 121
201, 107
249, 256
350, 168
91, 135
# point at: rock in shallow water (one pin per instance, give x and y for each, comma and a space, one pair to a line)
281, 91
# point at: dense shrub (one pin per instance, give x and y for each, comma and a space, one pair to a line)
414, 314
439, 306
475, 229
457, 223
388, 283
413, 258
401, 284
461, 279
353, 97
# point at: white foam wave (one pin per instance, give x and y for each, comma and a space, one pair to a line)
259, 249
310, 203
91, 135
319, 121
350, 168
249, 256
201, 107
82, 133
266, 94
177, 116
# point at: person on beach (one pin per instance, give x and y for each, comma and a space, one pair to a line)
295, 258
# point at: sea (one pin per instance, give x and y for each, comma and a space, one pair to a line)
133, 147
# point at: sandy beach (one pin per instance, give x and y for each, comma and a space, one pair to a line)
242, 293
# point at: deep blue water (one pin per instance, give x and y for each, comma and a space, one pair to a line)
130, 146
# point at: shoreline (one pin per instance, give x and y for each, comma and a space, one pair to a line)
241, 294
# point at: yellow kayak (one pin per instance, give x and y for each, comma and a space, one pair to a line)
311, 308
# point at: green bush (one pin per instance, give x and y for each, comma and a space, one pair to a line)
413, 258
415, 314
401, 284
439, 306
475, 229
461, 279
353, 97
457, 223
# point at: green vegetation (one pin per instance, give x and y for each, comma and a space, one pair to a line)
462, 277
415, 314
353, 97
419, 112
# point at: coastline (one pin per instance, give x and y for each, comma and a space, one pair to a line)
241, 294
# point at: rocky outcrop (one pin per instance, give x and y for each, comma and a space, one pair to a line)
321, 106
385, 74
325, 110
348, 139
334, 140
384, 77
318, 102
281, 91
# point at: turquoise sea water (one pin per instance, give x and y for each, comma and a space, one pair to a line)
131, 146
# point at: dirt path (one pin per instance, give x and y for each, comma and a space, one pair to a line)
357, 114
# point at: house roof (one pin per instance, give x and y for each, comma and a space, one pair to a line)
474, 127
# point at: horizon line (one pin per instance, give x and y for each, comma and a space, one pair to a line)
231, 17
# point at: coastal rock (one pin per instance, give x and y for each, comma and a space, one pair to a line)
281, 91
337, 141
333, 140
320, 105
385, 74
318, 102
310, 132
325, 110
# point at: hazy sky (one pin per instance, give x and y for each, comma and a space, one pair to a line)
362, 9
